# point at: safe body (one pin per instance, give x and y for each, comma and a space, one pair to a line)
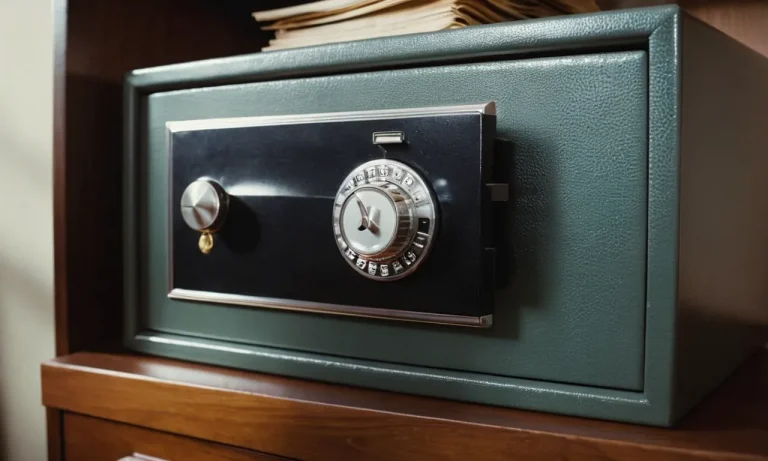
633, 147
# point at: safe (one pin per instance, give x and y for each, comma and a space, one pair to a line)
564, 215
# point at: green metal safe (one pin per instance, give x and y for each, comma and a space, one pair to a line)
635, 148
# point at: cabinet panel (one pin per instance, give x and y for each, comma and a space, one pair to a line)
93, 439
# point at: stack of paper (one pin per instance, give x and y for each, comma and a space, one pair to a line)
329, 21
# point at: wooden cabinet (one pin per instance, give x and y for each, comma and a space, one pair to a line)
94, 439
108, 405
186, 412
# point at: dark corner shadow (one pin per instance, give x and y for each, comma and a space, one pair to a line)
94, 143
520, 231
739, 401
241, 231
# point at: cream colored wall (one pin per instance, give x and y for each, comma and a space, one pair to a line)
26, 223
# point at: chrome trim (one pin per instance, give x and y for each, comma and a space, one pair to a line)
308, 306
488, 108
388, 137
169, 208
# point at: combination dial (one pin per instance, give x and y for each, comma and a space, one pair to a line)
384, 218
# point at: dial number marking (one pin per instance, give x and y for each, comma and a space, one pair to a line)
363, 237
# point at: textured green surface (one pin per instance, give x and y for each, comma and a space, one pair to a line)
577, 130
612, 298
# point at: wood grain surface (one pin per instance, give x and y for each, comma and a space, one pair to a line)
96, 44
315, 421
93, 439
744, 20
54, 433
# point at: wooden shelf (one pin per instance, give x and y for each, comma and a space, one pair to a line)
96, 44
322, 422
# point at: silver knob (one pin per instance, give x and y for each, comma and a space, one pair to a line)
204, 205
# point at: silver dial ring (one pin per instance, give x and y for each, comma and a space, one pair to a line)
384, 219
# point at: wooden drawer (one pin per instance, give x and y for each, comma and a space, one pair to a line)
94, 439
